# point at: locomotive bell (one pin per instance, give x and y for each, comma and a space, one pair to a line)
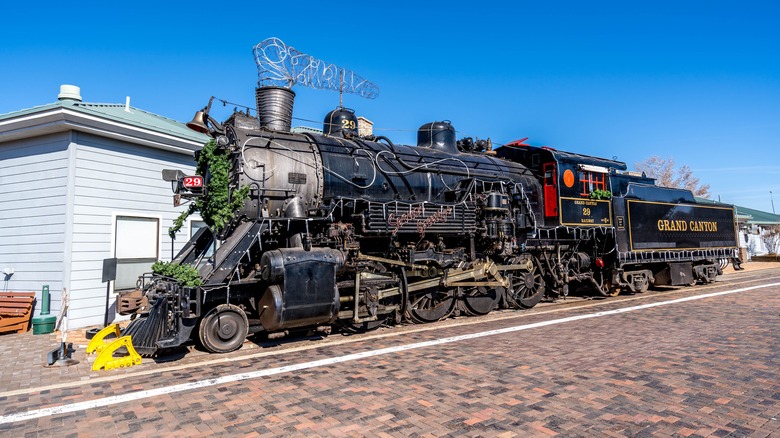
198, 123
439, 136
341, 121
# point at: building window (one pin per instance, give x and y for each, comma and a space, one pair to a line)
137, 247
591, 181
195, 226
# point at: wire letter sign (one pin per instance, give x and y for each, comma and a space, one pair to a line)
282, 66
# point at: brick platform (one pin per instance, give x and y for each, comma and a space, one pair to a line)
708, 367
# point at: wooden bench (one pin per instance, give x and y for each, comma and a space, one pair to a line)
15, 311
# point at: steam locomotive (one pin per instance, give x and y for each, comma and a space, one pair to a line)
353, 231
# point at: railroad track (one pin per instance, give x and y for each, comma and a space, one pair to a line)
259, 350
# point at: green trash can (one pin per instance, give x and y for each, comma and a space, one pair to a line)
44, 324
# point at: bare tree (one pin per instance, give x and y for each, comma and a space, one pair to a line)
667, 174
771, 238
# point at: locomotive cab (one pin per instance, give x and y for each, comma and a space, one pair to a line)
576, 188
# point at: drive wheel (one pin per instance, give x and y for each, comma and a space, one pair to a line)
223, 329
431, 305
479, 300
527, 288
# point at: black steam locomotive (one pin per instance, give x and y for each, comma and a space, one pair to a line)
354, 231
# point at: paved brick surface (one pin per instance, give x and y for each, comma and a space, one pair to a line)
708, 367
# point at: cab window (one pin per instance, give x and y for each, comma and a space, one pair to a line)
590, 181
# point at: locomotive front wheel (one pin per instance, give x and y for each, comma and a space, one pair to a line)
223, 329
361, 327
384, 317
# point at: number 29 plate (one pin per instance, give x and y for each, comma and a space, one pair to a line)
192, 182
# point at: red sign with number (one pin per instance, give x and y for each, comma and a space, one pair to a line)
192, 182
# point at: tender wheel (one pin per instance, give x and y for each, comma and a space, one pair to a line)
431, 305
223, 329
479, 300
641, 284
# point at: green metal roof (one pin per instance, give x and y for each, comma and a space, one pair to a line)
116, 112
759, 217
750, 215
305, 129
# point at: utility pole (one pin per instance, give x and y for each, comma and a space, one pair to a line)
773, 201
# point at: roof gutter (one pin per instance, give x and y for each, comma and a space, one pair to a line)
63, 119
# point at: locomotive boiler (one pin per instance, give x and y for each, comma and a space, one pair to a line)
339, 229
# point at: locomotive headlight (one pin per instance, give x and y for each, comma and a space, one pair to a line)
174, 177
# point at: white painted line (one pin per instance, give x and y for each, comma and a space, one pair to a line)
327, 343
135, 396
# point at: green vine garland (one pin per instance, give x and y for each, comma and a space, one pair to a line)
216, 206
600, 194
185, 274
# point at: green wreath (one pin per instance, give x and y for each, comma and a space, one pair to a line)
218, 205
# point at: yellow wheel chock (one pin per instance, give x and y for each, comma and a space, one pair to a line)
105, 350
107, 361
98, 343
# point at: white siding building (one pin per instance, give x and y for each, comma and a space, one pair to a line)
81, 182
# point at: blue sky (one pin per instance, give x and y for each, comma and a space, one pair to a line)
698, 81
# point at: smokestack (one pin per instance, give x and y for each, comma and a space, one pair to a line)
275, 107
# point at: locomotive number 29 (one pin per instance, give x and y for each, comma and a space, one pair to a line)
192, 182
